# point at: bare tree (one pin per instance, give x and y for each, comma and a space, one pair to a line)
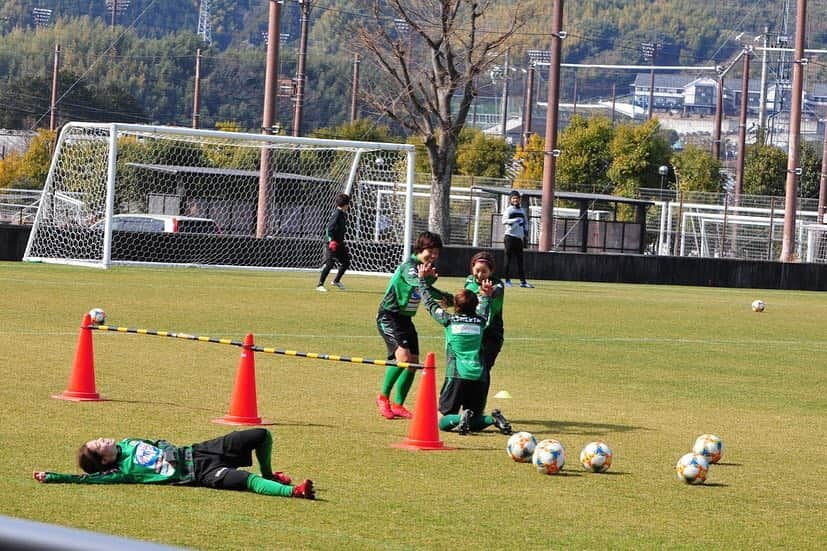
429, 53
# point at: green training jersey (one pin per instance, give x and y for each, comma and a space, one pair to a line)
463, 336
495, 329
402, 297
140, 462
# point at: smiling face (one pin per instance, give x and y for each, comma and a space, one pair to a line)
429, 256
515, 200
105, 448
481, 271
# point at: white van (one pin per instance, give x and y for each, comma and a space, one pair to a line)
161, 223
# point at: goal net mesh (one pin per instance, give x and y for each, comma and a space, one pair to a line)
128, 194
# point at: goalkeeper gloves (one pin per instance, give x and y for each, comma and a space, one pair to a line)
333, 245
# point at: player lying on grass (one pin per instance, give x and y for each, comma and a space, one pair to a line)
212, 464
466, 380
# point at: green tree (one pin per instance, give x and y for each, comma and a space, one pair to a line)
696, 170
810, 162
481, 155
29, 169
362, 130
637, 151
531, 159
585, 155
765, 170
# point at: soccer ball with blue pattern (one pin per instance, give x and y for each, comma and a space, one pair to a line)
710, 446
692, 468
521, 446
596, 457
97, 316
549, 456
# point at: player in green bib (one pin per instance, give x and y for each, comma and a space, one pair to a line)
212, 464
465, 390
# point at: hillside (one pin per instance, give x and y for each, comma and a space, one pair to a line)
142, 70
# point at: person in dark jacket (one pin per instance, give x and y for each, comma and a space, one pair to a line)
336, 250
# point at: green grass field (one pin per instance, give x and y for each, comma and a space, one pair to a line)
645, 368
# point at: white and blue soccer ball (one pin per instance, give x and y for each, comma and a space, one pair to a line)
596, 457
758, 305
97, 315
549, 456
521, 446
692, 468
710, 446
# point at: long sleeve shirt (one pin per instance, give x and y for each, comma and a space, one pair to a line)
402, 297
140, 462
515, 222
335, 230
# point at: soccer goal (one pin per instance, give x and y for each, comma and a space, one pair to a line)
138, 194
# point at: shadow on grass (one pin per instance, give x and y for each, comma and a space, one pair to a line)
728, 464
569, 427
710, 485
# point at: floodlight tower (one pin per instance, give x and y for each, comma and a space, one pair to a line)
204, 27
41, 17
116, 8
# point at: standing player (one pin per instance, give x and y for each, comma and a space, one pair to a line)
465, 387
516, 227
336, 250
395, 323
482, 270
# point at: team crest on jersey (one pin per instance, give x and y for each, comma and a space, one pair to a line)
147, 455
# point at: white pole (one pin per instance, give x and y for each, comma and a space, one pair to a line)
377, 209
475, 240
662, 229
406, 250
111, 171
354, 170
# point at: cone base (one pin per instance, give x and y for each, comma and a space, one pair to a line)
235, 420
80, 396
425, 445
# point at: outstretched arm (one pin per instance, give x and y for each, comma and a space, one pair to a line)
109, 477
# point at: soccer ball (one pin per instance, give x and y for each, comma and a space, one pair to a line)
97, 316
521, 446
692, 468
758, 305
596, 457
710, 446
549, 456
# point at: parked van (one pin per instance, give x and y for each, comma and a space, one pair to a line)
160, 223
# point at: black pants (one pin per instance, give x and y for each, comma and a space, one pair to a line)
217, 460
514, 251
342, 256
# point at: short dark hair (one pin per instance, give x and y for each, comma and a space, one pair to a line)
342, 199
483, 256
515, 193
91, 461
427, 240
465, 302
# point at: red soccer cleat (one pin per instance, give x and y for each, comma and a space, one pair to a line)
305, 490
282, 478
384, 407
401, 411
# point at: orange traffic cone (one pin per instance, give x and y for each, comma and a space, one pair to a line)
243, 408
424, 431
82, 380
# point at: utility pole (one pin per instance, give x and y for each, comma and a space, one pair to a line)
822, 187
762, 102
742, 128
794, 139
270, 84
574, 98
196, 92
528, 104
550, 150
614, 98
719, 113
114, 13
504, 132
354, 91
53, 104
650, 50
300, 76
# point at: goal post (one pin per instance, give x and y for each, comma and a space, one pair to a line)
125, 194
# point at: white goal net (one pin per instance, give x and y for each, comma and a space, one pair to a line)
136, 194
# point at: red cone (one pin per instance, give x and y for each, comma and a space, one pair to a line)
82, 380
243, 408
424, 431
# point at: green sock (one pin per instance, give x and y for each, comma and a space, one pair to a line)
262, 486
406, 379
481, 422
392, 373
263, 453
449, 422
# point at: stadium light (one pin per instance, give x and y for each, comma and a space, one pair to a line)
41, 16
539, 57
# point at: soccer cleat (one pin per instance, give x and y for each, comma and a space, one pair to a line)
282, 478
526, 285
340, 285
464, 426
321, 288
401, 411
508, 283
500, 422
384, 407
305, 490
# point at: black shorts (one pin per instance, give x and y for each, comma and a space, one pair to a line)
463, 393
217, 460
397, 331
